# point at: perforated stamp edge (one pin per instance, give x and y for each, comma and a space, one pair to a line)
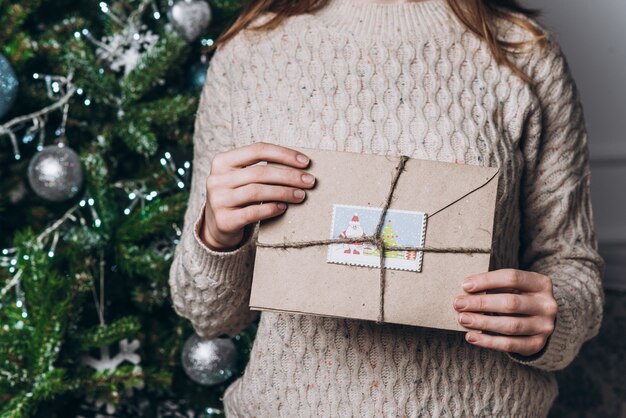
390, 263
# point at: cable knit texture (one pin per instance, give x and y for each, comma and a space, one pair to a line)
397, 79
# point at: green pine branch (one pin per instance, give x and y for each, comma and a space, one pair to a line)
12, 17
153, 219
104, 335
39, 333
152, 67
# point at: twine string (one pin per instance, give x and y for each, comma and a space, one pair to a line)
376, 240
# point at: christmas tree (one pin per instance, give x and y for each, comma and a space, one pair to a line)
97, 103
389, 236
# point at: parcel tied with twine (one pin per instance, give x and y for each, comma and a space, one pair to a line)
301, 268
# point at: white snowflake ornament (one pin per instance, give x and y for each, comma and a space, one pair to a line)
105, 362
126, 353
123, 50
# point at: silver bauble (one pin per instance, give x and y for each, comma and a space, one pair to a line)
209, 362
190, 18
55, 173
8, 86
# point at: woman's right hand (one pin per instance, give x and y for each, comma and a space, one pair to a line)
234, 190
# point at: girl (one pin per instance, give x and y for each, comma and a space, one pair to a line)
467, 81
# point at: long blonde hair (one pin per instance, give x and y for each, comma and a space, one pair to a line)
478, 16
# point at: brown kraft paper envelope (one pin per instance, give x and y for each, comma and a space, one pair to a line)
459, 200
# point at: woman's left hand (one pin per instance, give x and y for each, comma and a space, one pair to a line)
525, 307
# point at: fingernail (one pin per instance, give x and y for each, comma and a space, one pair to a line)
282, 206
465, 319
467, 284
471, 337
302, 158
307, 178
299, 194
460, 303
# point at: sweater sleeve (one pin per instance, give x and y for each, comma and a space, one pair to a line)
211, 288
557, 233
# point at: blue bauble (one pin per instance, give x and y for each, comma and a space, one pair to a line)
8, 86
197, 75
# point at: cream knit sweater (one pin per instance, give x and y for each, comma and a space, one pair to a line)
368, 77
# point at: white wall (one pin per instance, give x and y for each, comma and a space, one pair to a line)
593, 36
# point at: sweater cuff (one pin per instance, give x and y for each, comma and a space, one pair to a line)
205, 264
558, 345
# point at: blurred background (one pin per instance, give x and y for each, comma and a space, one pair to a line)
97, 102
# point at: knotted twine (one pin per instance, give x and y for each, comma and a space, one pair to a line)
376, 239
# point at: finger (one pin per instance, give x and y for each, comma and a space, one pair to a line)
526, 281
258, 212
507, 325
262, 151
500, 303
255, 192
504, 290
270, 175
524, 345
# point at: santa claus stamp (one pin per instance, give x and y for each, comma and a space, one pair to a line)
401, 228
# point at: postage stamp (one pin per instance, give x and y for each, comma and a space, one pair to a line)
401, 228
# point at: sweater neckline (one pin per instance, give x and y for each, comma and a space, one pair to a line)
371, 18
